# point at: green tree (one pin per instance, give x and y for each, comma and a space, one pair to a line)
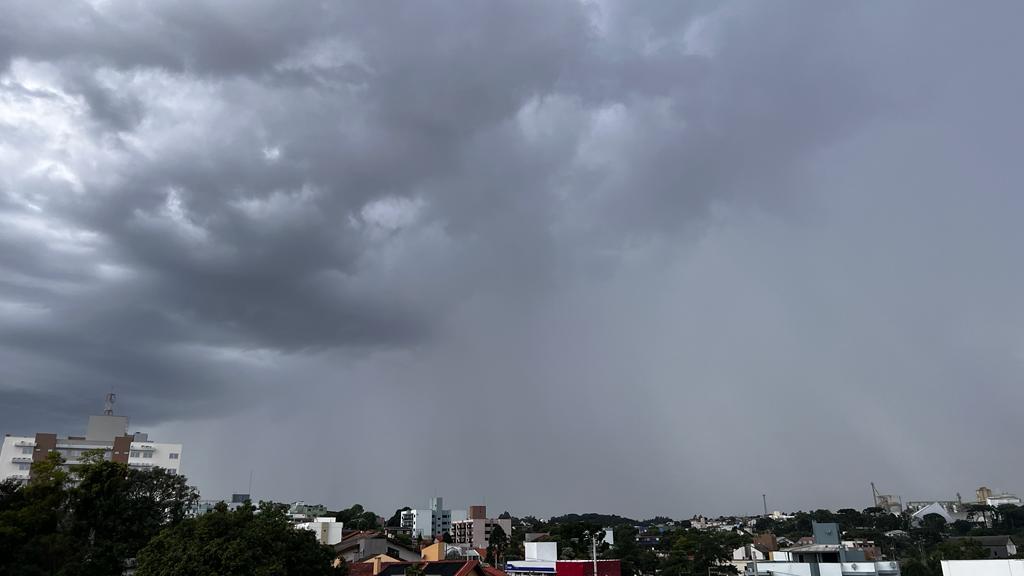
932, 527
648, 563
575, 538
917, 567
700, 552
533, 524
497, 544
984, 511
242, 542
33, 521
396, 518
118, 510
627, 550
961, 527
969, 549
357, 518
88, 521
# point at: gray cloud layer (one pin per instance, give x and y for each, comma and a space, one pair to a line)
637, 257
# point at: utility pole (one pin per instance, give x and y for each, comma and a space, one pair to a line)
593, 540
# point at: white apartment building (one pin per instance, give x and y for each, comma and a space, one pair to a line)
327, 529
108, 433
420, 522
433, 522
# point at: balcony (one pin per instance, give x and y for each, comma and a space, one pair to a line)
22, 459
26, 443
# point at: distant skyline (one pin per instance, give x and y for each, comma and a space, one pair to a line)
641, 258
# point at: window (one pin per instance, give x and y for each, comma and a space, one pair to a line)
147, 454
172, 470
173, 455
135, 453
24, 466
26, 450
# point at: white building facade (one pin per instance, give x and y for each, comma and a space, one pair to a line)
327, 529
982, 567
998, 500
107, 433
432, 522
887, 568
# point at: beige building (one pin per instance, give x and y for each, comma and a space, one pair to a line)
475, 532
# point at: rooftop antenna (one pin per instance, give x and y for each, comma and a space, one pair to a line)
108, 404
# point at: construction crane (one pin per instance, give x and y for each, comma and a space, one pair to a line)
885, 501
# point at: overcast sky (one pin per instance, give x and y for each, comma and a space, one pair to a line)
555, 256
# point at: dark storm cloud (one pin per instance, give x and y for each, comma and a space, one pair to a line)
216, 208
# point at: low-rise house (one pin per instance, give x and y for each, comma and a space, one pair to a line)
825, 556
302, 512
997, 546
363, 545
441, 550
767, 542
747, 554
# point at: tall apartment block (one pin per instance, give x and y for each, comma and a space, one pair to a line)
107, 432
475, 531
433, 522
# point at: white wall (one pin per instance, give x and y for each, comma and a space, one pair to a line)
831, 568
791, 568
423, 523
741, 553
159, 454
983, 568
547, 551
9, 452
327, 530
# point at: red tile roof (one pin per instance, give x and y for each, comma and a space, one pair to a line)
360, 569
492, 571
